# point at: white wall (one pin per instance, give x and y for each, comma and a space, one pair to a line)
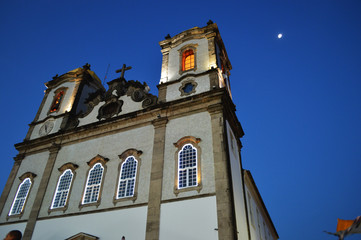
196, 125
191, 219
173, 91
35, 164
109, 225
202, 58
4, 229
237, 185
110, 147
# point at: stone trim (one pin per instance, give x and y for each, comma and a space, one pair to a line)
165, 61
97, 159
136, 154
184, 83
181, 51
156, 180
53, 152
62, 169
179, 145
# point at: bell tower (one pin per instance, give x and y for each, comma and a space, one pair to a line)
64, 97
194, 61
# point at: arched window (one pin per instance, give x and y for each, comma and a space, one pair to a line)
55, 106
187, 166
20, 197
128, 169
188, 174
188, 60
127, 178
93, 183
62, 189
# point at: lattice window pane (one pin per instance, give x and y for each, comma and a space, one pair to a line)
187, 167
127, 178
20, 197
62, 190
93, 184
188, 59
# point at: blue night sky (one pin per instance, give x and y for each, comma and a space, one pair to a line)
298, 98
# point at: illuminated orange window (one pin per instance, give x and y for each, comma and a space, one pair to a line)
56, 102
188, 60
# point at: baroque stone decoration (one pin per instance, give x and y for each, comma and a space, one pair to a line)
137, 91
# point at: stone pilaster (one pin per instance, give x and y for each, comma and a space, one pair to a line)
162, 93
224, 199
212, 49
156, 178
164, 73
10, 181
30, 226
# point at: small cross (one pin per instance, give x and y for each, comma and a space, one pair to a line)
122, 70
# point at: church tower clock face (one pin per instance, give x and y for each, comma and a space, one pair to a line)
46, 128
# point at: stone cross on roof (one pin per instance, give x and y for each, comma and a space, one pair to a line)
122, 70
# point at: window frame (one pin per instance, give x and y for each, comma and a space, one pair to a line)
22, 178
183, 85
181, 51
55, 96
94, 161
66, 167
180, 144
123, 158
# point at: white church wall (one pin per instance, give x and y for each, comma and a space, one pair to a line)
34, 163
129, 222
109, 146
237, 183
190, 219
197, 125
56, 127
258, 228
128, 106
202, 58
4, 229
173, 91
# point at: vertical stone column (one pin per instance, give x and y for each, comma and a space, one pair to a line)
30, 226
156, 179
212, 49
164, 73
10, 181
224, 199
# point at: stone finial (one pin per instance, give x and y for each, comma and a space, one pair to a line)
86, 66
168, 36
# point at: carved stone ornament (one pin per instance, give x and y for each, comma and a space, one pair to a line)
112, 108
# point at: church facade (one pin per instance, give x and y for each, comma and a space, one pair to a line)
107, 164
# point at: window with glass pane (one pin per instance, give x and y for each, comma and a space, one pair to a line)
187, 167
188, 60
20, 198
94, 180
62, 190
56, 102
127, 178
